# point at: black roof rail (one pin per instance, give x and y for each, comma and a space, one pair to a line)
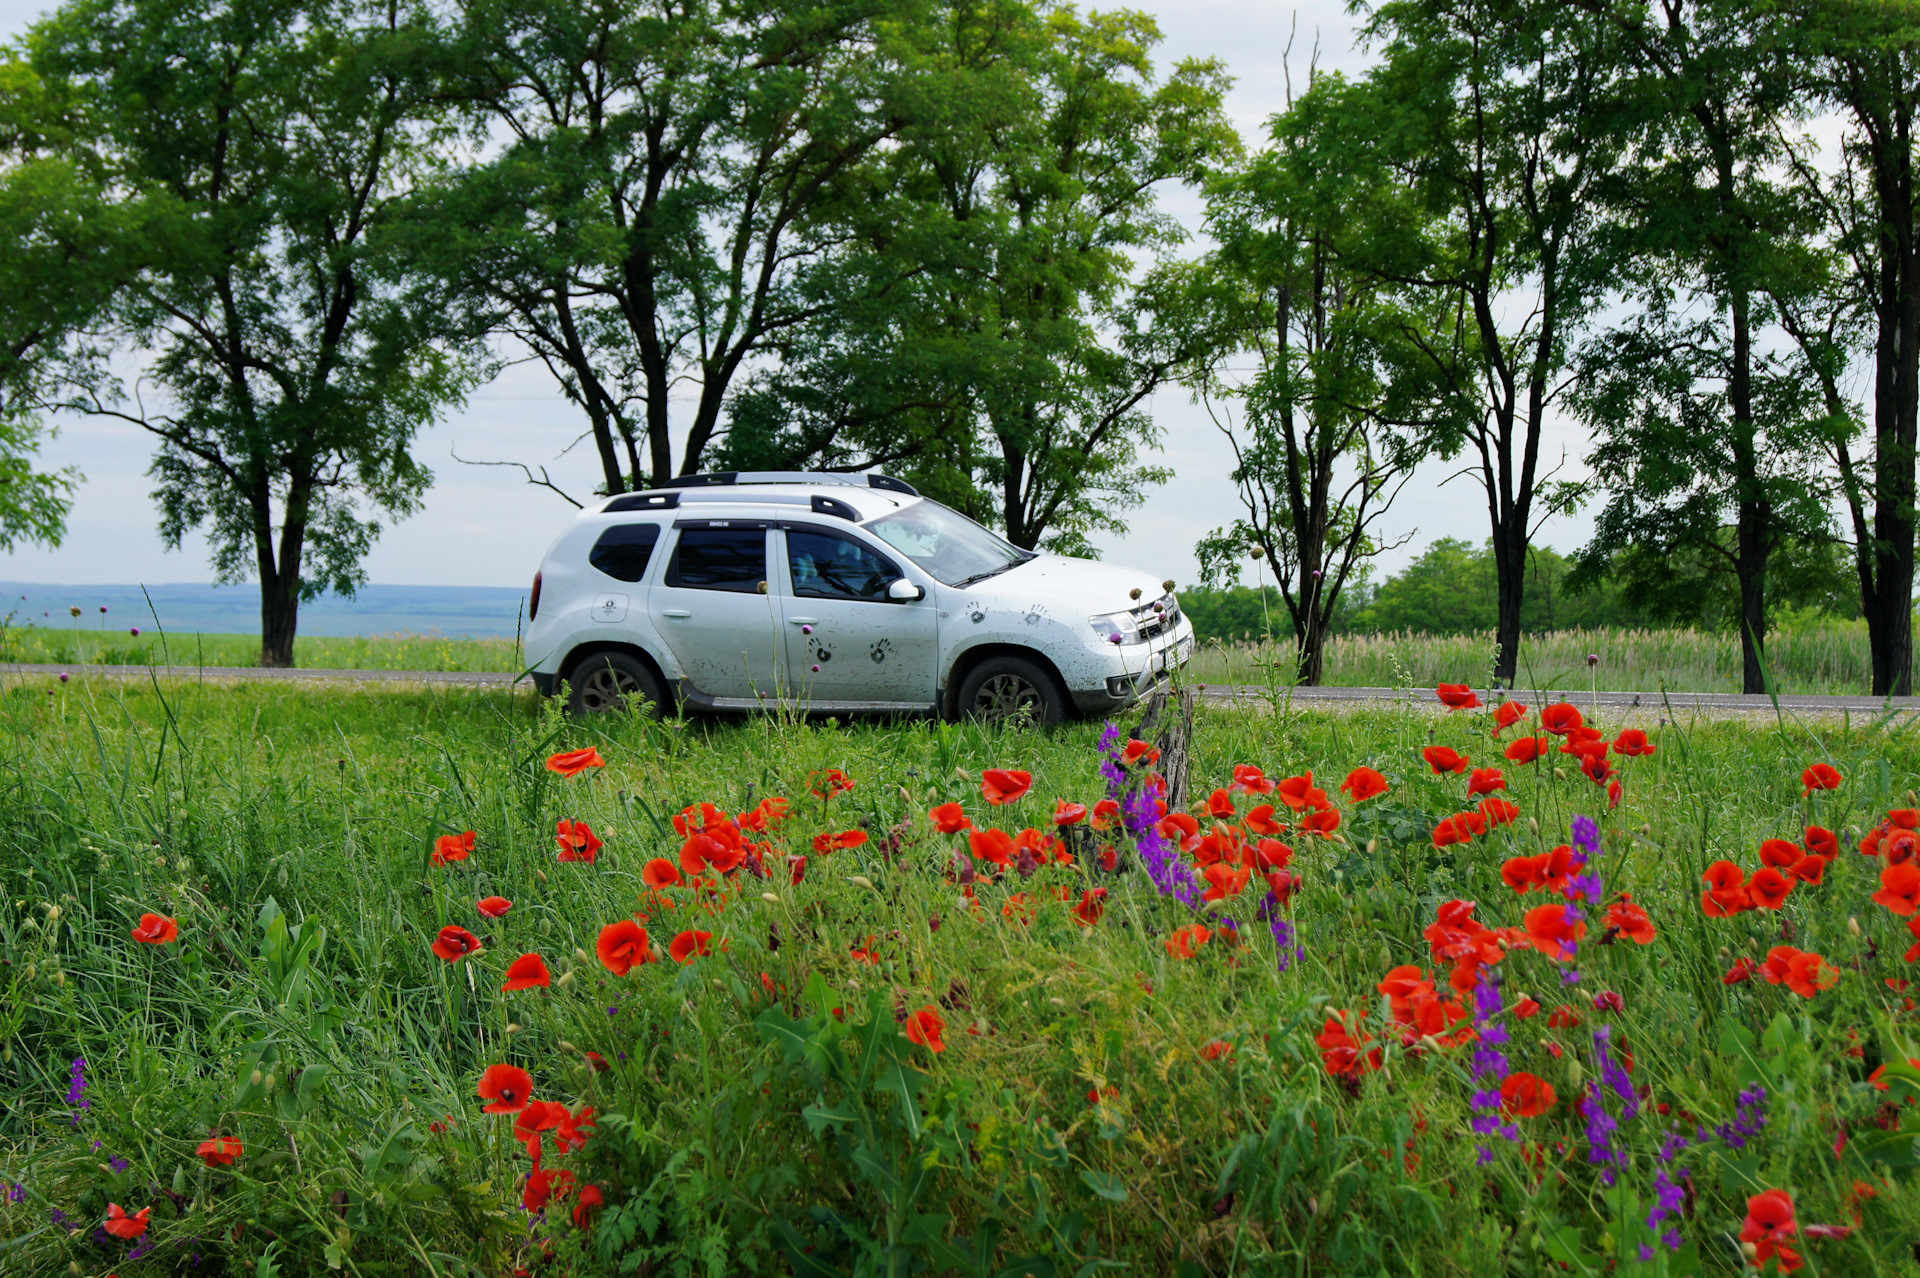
642, 501
731, 478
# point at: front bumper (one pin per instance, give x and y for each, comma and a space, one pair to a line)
1135, 676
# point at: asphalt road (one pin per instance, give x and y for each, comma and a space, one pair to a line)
1709, 703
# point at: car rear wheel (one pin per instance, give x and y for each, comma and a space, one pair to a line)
608, 682
1011, 690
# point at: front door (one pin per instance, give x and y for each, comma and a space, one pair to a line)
846, 640
715, 608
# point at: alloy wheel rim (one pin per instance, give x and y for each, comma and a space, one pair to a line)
1007, 696
607, 689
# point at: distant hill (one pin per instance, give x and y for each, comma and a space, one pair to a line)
475, 612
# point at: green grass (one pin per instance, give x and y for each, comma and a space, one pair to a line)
1817, 656
88, 645
763, 1111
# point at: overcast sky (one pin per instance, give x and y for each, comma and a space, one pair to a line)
486, 527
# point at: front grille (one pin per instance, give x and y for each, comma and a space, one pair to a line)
1158, 617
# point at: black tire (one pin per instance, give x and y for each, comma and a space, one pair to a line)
606, 682
1011, 690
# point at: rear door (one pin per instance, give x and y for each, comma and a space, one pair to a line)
846, 641
715, 610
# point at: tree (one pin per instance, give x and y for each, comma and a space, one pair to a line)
1010, 302
1325, 436
1863, 60
1496, 114
295, 365
1700, 424
675, 179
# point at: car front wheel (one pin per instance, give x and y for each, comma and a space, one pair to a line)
1011, 690
614, 681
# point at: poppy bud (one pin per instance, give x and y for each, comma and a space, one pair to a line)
1853, 928
1373, 846
768, 896
1134, 593
1559, 774
179, 1179
253, 1079
761, 588
1256, 553
861, 880
513, 1027
1574, 1075
60, 979
580, 955
566, 978
268, 1082
541, 875
53, 912
1751, 1252
1167, 584
565, 1046
1533, 825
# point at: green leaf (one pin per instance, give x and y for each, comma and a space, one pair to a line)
1105, 1184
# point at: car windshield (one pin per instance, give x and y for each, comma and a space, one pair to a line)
947, 544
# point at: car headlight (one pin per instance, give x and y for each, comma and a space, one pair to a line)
1116, 628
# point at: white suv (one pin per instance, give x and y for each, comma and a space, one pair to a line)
836, 593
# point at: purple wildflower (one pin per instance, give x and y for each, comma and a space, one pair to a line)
141, 1247
77, 1084
1748, 1119
1600, 1129
1669, 1196
1613, 1074
17, 1194
117, 1163
1490, 1066
1138, 815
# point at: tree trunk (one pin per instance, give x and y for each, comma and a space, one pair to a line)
279, 619
1510, 589
1750, 566
1754, 530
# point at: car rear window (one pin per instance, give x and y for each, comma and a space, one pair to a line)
719, 559
624, 549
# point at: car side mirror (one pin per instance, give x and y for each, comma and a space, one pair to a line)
904, 591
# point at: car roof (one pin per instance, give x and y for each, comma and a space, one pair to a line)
763, 499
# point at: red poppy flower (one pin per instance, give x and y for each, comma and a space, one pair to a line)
574, 1128
220, 1151
926, 1028
1808, 974
1899, 846
1779, 853
1248, 779
949, 818
1526, 1095
1220, 806
1632, 742
572, 763
835, 782
589, 1202
543, 1186
1526, 1009
1563, 1017
1445, 759
1485, 781
1822, 842
1182, 942
1004, 785
1768, 888
1726, 893
452, 847
1105, 813
824, 844
1215, 1050
1768, 1225
1631, 921
1325, 821
796, 869
1452, 830
660, 873
121, 1225
623, 946
1066, 814
1527, 749
1457, 696
1225, 880
1343, 1045
1742, 971
690, 945
1271, 854
1364, 783
1499, 811
1598, 770
1181, 828
576, 841
1550, 932
494, 907
1300, 792
1809, 869
1913, 926
528, 972
1507, 714
509, 1088
1561, 718
1609, 1001
156, 929
1261, 820
455, 943
1093, 904
535, 1117
1821, 776
1524, 873
1899, 888
992, 845
1139, 751
1282, 884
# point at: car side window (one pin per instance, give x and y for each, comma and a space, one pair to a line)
719, 559
828, 566
624, 549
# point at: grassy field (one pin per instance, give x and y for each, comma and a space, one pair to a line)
1822, 656
1813, 657
92, 645
1111, 1086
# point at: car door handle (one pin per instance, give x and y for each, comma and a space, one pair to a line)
801, 621
679, 613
